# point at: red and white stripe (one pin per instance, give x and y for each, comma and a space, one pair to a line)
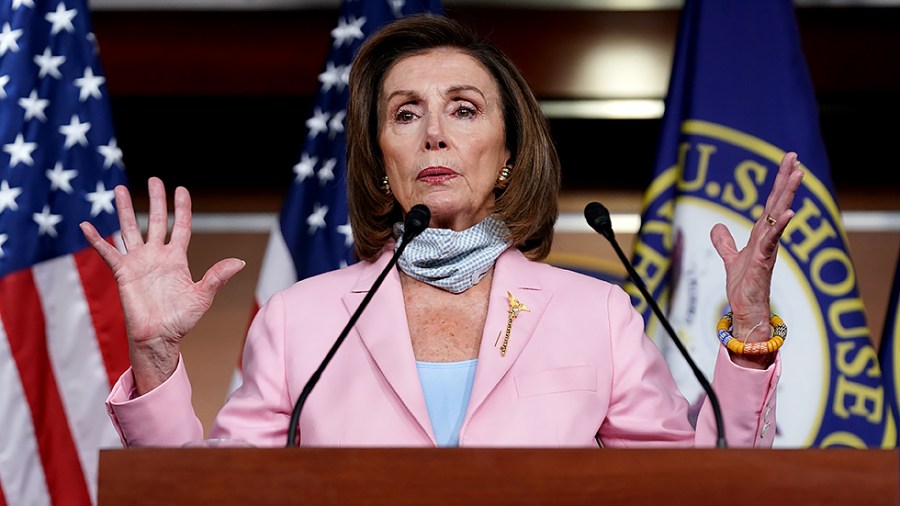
62, 345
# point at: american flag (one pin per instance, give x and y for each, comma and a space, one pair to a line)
62, 333
313, 234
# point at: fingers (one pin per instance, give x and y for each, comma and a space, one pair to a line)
131, 232
219, 274
158, 218
777, 213
787, 181
107, 251
181, 229
723, 242
771, 247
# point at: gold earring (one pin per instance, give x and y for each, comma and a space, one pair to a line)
386, 186
503, 178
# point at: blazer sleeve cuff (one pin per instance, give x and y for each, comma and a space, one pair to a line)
747, 398
163, 416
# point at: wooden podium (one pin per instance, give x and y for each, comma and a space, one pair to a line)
431, 477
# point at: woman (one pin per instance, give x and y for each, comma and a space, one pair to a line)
471, 341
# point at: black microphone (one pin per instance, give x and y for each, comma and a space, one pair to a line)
416, 221
598, 218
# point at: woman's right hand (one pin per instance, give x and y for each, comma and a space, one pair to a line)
161, 301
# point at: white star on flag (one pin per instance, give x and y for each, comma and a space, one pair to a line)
316, 220
61, 19
89, 85
347, 232
49, 64
3, 238
345, 77
75, 132
347, 32
3, 80
112, 155
305, 167
20, 151
8, 197
397, 7
326, 173
60, 178
318, 123
18, 3
8, 38
101, 200
336, 124
330, 77
34, 106
47, 221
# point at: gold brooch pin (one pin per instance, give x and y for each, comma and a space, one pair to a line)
515, 307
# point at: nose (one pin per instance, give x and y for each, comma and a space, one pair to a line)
435, 138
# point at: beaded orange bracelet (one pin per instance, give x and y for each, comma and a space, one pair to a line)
779, 334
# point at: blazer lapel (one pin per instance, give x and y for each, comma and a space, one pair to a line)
512, 275
384, 331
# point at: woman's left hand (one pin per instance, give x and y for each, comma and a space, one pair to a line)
748, 272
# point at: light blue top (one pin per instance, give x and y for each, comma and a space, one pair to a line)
447, 387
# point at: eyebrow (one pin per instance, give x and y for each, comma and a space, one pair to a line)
450, 91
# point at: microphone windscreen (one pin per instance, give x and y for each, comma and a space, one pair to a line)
597, 216
416, 221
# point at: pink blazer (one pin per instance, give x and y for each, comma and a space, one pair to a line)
577, 364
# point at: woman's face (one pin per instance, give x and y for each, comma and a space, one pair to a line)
441, 133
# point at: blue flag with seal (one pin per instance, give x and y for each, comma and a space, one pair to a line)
739, 97
889, 349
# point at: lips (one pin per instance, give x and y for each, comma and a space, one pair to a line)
436, 174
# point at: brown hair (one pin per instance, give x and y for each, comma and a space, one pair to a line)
528, 205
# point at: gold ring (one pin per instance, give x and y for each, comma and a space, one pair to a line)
771, 220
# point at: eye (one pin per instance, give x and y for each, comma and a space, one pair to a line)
404, 116
466, 111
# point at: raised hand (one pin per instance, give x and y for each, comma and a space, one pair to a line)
162, 303
748, 272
